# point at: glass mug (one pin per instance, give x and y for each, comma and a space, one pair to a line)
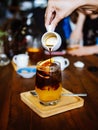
48, 82
34, 48
74, 44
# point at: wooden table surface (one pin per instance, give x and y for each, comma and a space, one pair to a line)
15, 115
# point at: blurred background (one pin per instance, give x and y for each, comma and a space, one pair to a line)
22, 23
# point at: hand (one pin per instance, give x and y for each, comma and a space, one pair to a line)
83, 51
89, 9
57, 10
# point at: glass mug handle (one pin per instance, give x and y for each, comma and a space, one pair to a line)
66, 61
15, 59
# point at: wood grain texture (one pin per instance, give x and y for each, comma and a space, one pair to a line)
15, 115
66, 103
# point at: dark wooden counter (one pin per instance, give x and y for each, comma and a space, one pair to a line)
15, 115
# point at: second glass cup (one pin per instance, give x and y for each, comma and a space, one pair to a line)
48, 82
74, 44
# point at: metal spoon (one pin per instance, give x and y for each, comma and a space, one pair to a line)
63, 94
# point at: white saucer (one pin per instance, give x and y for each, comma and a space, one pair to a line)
27, 72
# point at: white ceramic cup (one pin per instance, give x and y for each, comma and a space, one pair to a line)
63, 61
51, 38
21, 60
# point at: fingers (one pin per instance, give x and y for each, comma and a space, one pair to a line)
48, 16
52, 18
88, 10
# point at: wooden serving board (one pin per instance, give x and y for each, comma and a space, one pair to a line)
66, 103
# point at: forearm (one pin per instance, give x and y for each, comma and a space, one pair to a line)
80, 21
88, 6
95, 49
85, 50
87, 2
91, 2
